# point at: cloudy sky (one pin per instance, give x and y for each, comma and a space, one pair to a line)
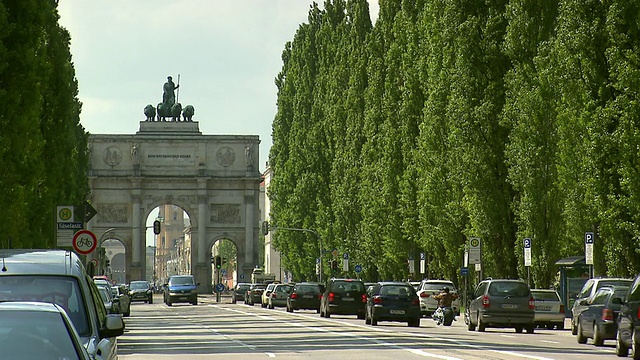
227, 53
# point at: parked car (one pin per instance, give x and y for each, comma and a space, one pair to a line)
629, 322
113, 307
549, 310
38, 330
393, 301
344, 297
587, 292
181, 289
239, 292
59, 276
120, 293
501, 303
279, 295
254, 294
304, 296
598, 320
140, 290
428, 288
266, 293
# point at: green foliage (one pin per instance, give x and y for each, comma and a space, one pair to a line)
452, 119
43, 146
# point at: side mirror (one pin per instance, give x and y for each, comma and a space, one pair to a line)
113, 326
583, 303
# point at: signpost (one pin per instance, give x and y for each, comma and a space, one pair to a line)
84, 242
345, 262
527, 256
423, 263
588, 251
411, 264
475, 251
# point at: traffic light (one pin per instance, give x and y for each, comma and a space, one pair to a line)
218, 261
334, 265
156, 227
265, 228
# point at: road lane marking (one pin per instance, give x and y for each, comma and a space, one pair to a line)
271, 354
550, 342
337, 333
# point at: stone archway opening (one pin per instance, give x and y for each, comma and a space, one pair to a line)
227, 274
169, 252
113, 260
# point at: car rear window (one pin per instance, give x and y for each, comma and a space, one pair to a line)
510, 288
396, 290
62, 290
622, 282
545, 296
438, 286
139, 285
307, 289
283, 288
347, 286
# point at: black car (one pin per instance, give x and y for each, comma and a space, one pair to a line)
501, 303
393, 301
629, 323
587, 292
239, 292
344, 297
304, 296
598, 320
254, 294
141, 291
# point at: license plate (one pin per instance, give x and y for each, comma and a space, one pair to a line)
396, 312
509, 306
543, 308
308, 296
182, 298
347, 299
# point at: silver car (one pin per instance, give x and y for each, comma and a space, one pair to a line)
549, 310
59, 276
428, 288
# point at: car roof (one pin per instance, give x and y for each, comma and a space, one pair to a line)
383, 283
543, 290
41, 262
30, 306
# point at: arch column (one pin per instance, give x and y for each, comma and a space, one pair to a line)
248, 230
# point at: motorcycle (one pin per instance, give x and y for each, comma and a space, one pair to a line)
444, 315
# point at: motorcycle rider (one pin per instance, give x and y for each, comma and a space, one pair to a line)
445, 299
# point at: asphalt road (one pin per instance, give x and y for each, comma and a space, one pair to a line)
223, 330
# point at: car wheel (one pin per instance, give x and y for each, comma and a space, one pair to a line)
530, 328
560, 326
233, 300
415, 322
289, 309
374, 321
574, 328
263, 305
367, 319
518, 329
481, 325
151, 300
621, 349
579, 335
317, 310
169, 303
597, 336
635, 346
361, 316
270, 306
327, 314
195, 302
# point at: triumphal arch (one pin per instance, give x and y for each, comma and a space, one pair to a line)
214, 178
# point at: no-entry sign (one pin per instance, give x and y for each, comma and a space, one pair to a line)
84, 242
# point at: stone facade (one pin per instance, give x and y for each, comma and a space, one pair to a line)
214, 178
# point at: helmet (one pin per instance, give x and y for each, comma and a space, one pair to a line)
445, 289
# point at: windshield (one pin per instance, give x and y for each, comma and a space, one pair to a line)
139, 285
508, 289
62, 290
545, 296
438, 286
37, 333
347, 286
181, 280
104, 294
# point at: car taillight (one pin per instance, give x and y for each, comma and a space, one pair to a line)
639, 313
485, 302
415, 302
364, 298
424, 295
561, 308
607, 314
532, 303
273, 295
294, 296
377, 300
331, 297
